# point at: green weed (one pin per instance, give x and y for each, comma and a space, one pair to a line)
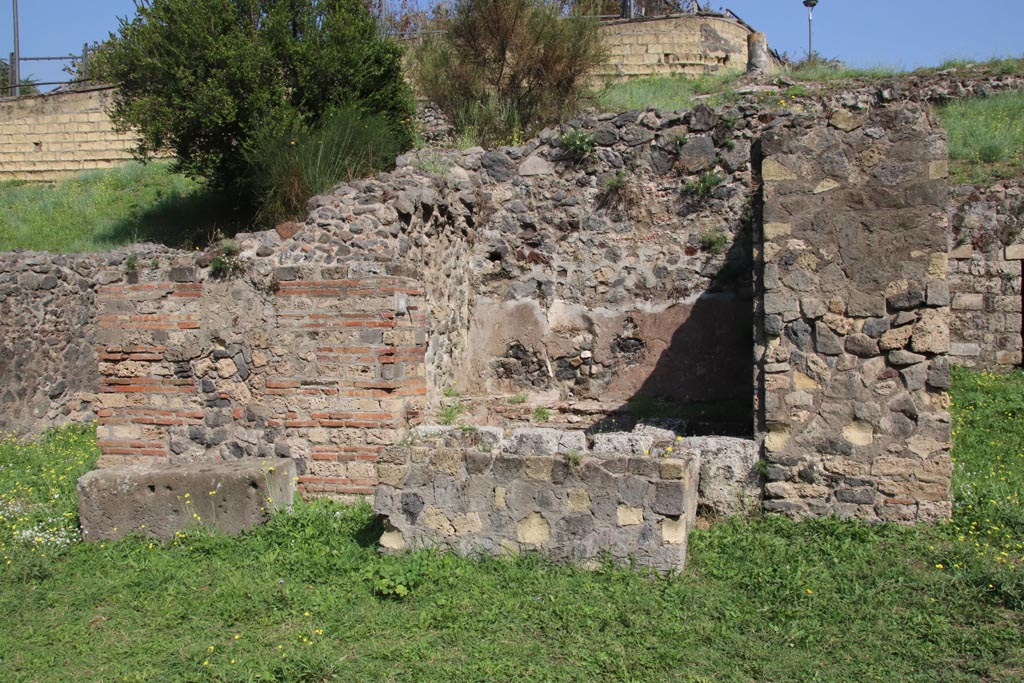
576, 144
541, 414
704, 184
450, 413
714, 241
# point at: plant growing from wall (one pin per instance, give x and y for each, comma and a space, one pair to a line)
576, 144
226, 262
704, 184
714, 241
619, 194
506, 67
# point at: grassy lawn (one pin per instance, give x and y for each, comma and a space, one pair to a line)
101, 210
986, 137
308, 599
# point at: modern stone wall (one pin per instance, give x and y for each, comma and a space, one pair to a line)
52, 136
691, 44
985, 276
539, 489
853, 343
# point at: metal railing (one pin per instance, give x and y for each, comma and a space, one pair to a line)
80, 68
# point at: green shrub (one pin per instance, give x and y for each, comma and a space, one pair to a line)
289, 164
202, 77
506, 67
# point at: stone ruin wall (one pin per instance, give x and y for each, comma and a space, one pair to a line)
985, 273
48, 368
451, 245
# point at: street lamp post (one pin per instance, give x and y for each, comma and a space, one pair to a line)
810, 5
15, 65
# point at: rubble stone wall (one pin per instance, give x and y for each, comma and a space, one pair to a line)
854, 326
48, 367
539, 489
583, 281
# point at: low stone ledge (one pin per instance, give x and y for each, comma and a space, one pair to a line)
159, 500
571, 507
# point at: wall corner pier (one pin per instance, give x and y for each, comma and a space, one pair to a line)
852, 331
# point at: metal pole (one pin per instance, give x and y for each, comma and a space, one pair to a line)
810, 33
16, 59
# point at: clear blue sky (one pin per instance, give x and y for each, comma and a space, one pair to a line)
901, 33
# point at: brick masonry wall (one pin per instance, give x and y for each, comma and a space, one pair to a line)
48, 366
324, 369
52, 136
852, 363
688, 44
985, 271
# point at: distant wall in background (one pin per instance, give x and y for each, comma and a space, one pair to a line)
52, 136
690, 44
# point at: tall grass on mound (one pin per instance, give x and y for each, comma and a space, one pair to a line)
986, 136
670, 93
286, 165
101, 210
821, 69
1009, 66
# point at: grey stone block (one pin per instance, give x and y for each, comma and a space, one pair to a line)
159, 500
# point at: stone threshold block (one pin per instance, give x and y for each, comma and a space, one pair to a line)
159, 500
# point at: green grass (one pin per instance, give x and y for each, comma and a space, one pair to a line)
667, 92
986, 137
307, 598
827, 72
100, 210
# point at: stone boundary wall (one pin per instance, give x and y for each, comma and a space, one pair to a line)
325, 368
854, 331
540, 489
55, 135
985, 273
691, 44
